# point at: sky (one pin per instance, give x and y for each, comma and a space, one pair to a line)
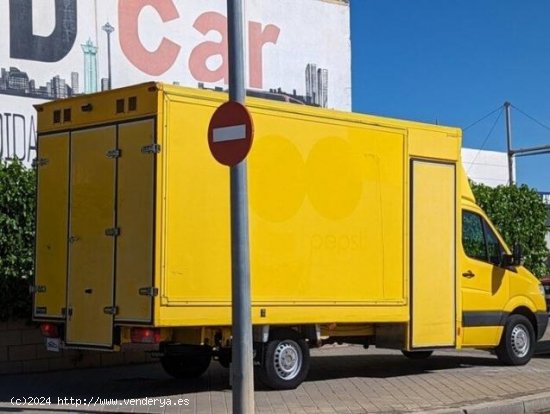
454, 61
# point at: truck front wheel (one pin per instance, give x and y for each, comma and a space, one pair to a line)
285, 361
189, 364
518, 341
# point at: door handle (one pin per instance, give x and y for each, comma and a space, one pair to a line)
469, 274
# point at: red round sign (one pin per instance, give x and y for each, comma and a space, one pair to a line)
230, 133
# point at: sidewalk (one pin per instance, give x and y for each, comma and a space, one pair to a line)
343, 379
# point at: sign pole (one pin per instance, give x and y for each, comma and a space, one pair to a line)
242, 363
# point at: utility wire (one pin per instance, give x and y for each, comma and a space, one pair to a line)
481, 119
486, 138
531, 118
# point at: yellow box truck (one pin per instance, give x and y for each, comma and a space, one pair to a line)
363, 230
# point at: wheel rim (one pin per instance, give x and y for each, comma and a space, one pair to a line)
520, 341
287, 360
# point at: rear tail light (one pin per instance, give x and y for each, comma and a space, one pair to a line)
49, 330
145, 335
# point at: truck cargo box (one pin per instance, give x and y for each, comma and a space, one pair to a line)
356, 234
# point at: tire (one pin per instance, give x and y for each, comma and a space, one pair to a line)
188, 365
224, 357
517, 344
285, 361
417, 354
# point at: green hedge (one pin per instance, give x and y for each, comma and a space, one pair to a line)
17, 195
520, 215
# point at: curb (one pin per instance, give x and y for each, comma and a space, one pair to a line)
520, 405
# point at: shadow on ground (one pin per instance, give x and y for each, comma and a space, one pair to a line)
542, 348
150, 380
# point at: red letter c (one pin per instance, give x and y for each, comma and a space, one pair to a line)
153, 63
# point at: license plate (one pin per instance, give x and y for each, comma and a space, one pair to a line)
53, 344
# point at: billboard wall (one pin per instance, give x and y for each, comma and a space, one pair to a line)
296, 51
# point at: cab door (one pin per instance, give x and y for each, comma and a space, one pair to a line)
485, 284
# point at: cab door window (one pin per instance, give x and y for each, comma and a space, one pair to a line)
494, 250
473, 236
478, 240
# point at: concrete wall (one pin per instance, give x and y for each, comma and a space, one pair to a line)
22, 350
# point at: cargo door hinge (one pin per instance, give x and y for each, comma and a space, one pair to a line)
37, 289
114, 153
110, 310
150, 149
112, 232
39, 162
149, 291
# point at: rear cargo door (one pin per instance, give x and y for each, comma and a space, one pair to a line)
51, 226
135, 218
433, 254
92, 236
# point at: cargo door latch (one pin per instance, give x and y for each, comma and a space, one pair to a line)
149, 291
110, 310
150, 149
112, 232
114, 153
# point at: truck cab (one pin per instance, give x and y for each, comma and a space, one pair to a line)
502, 302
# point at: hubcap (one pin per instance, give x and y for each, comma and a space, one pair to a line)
520, 341
287, 359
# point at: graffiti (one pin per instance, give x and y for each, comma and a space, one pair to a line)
162, 59
17, 137
24, 44
54, 50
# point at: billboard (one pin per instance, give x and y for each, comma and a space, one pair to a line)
296, 51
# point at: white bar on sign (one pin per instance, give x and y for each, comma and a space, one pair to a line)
231, 133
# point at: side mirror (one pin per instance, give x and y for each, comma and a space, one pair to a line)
508, 260
514, 259
518, 254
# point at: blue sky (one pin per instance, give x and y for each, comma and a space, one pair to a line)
452, 62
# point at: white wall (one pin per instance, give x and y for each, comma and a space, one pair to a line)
181, 41
486, 167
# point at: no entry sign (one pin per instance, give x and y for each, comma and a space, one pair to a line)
230, 133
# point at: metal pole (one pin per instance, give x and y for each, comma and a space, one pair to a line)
109, 58
511, 168
527, 154
242, 373
108, 29
541, 148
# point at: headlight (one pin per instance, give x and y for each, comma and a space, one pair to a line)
541, 290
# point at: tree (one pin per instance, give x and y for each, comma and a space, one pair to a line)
17, 195
520, 215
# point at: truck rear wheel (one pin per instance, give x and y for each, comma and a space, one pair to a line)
189, 364
285, 361
517, 344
